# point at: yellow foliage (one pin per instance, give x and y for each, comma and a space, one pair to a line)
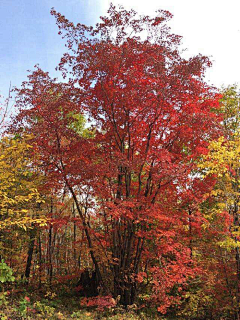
19, 195
223, 161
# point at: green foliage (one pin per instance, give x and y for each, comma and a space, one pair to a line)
3, 298
6, 273
23, 306
45, 310
230, 109
78, 124
82, 315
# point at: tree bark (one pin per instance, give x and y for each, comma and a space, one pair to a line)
32, 235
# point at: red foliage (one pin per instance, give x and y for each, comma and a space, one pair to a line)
101, 302
132, 181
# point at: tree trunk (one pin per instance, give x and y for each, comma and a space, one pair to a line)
32, 234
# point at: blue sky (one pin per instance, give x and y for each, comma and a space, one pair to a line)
29, 35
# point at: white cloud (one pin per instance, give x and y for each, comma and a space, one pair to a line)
209, 27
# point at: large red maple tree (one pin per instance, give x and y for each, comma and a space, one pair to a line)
150, 113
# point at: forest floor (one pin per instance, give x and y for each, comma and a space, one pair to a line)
21, 304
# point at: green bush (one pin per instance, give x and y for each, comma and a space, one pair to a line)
6, 273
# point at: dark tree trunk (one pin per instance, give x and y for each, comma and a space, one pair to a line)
32, 234
40, 261
50, 249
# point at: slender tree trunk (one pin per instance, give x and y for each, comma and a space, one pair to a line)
40, 260
89, 240
50, 269
74, 238
237, 258
32, 234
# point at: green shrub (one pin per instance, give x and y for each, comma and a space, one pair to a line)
6, 273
